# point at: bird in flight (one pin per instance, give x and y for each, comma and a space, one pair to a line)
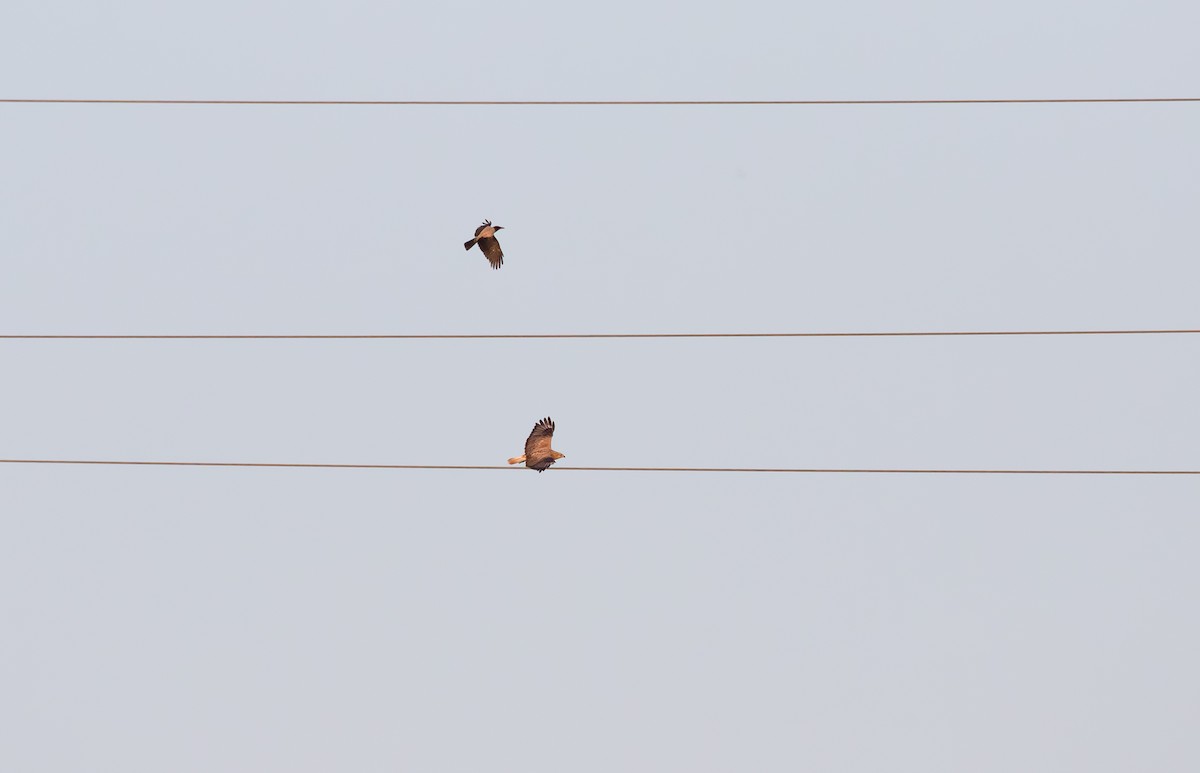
485, 237
538, 453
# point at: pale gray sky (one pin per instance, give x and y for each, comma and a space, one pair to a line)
249, 620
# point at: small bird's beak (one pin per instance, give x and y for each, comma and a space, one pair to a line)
498, 228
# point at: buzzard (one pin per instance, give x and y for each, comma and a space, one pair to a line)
485, 237
538, 453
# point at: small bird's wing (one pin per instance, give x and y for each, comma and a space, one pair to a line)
491, 249
537, 446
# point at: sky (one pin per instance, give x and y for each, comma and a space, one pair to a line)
197, 619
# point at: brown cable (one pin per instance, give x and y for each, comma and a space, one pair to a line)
599, 102
493, 336
890, 471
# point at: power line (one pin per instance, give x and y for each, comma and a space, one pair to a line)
813, 470
599, 102
511, 336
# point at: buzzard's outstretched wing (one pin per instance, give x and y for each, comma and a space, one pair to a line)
537, 446
491, 249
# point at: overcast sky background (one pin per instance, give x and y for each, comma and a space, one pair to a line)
312, 620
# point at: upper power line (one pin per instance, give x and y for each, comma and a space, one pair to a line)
603, 102
493, 336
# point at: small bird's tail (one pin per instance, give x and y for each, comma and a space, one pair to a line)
469, 244
517, 459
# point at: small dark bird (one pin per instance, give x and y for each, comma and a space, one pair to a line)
485, 237
538, 453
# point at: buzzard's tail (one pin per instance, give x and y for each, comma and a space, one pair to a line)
517, 459
468, 244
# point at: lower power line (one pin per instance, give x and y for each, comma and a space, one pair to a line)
813, 470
